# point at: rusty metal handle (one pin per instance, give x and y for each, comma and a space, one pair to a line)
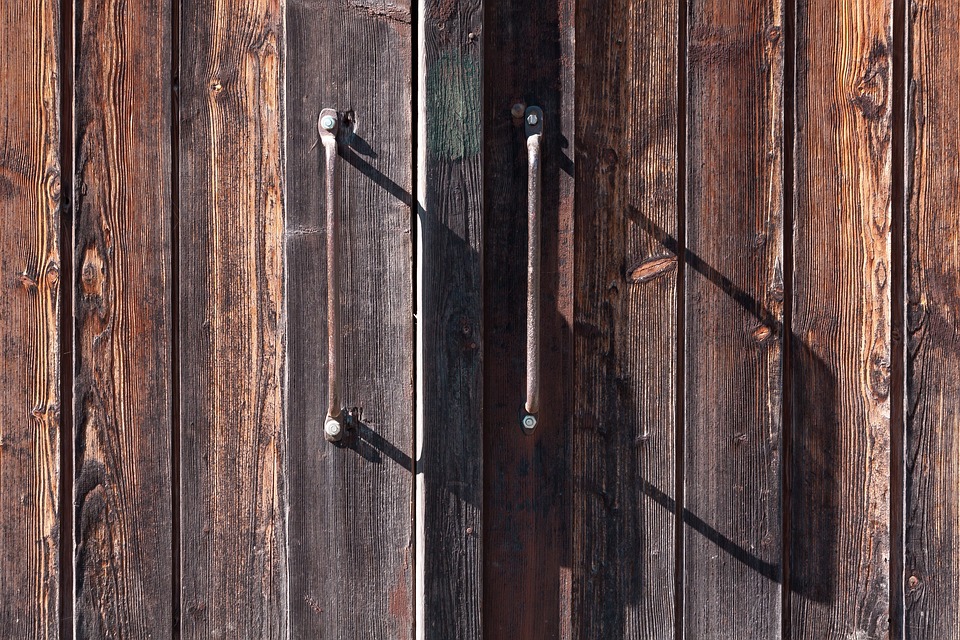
328, 125
533, 127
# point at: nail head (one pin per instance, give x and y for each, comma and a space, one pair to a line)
333, 429
328, 122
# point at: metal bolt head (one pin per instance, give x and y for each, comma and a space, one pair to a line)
529, 422
333, 429
328, 122
532, 119
517, 110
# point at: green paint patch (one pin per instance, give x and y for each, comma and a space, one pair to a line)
454, 107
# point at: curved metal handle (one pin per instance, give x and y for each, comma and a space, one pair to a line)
328, 125
533, 127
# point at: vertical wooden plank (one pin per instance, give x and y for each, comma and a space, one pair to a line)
233, 539
350, 514
449, 469
527, 577
932, 599
840, 477
122, 389
625, 312
734, 317
30, 309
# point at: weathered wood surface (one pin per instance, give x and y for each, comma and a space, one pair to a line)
734, 294
722, 321
30, 193
931, 572
449, 460
840, 475
350, 514
122, 304
527, 477
625, 312
233, 465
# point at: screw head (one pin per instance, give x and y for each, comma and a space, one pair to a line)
328, 122
333, 429
532, 119
517, 110
529, 422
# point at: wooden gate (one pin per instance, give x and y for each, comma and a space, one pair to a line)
748, 319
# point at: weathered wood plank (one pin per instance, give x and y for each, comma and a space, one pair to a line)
449, 465
30, 309
932, 576
350, 515
123, 376
233, 540
625, 311
527, 584
840, 476
734, 318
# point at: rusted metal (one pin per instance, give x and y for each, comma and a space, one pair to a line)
328, 125
533, 126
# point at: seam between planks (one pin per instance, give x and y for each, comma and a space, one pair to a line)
898, 316
67, 137
176, 573
786, 418
418, 119
287, 473
416, 273
679, 353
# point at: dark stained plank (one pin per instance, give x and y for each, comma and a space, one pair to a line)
733, 320
350, 514
449, 467
527, 578
932, 576
30, 311
123, 376
625, 313
840, 354
233, 538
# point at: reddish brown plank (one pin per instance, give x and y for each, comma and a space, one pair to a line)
932, 576
840, 476
734, 319
529, 57
123, 314
233, 534
30, 310
625, 320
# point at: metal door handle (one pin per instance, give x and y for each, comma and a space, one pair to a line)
533, 127
328, 125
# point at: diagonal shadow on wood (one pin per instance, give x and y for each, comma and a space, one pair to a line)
812, 481
812, 476
373, 447
364, 440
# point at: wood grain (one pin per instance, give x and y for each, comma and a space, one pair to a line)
30, 311
625, 331
350, 514
840, 539
734, 319
529, 60
233, 538
123, 311
450, 320
932, 577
